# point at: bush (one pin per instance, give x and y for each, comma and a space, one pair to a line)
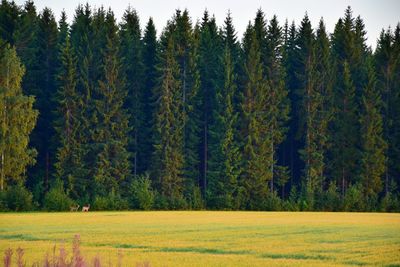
197, 202
354, 199
17, 198
56, 199
111, 202
390, 203
163, 202
142, 195
331, 198
273, 202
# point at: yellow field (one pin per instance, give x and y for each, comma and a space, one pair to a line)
203, 238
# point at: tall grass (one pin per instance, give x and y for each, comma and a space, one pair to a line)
60, 258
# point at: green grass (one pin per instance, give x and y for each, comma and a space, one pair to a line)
205, 238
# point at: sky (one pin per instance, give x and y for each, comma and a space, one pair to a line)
377, 14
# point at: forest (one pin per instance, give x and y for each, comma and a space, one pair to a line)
287, 117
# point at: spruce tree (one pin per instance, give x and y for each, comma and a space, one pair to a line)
44, 88
131, 53
277, 103
210, 54
372, 162
149, 55
386, 59
9, 12
17, 120
168, 158
256, 138
225, 157
345, 152
110, 133
69, 166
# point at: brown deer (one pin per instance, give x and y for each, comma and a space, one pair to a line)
86, 208
74, 208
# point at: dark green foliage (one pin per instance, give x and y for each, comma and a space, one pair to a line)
133, 68
9, 13
168, 128
56, 199
17, 198
224, 168
109, 136
288, 119
141, 193
210, 56
44, 88
257, 147
373, 146
111, 201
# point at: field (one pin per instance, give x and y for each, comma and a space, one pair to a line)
205, 238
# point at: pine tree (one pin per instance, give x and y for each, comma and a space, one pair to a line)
168, 128
372, 163
17, 120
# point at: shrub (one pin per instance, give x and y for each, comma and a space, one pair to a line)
18, 198
142, 195
331, 198
56, 199
111, 202
354, 199
273, 202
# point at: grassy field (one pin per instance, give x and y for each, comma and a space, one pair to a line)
191, 238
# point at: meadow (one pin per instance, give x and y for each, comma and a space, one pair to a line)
207, 238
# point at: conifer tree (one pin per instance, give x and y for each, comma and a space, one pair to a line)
17, 120
345, 123
372, 163
277, 102
9, 12
210, 54
44, 88
131, 52
257, 140
386, 59
169, 123
149, 55
224, 167
110, 134
69, 166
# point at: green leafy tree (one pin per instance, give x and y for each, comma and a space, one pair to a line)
17, 120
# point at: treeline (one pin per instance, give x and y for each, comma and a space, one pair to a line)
288, 118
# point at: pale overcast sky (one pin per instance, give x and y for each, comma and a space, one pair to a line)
377, 14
